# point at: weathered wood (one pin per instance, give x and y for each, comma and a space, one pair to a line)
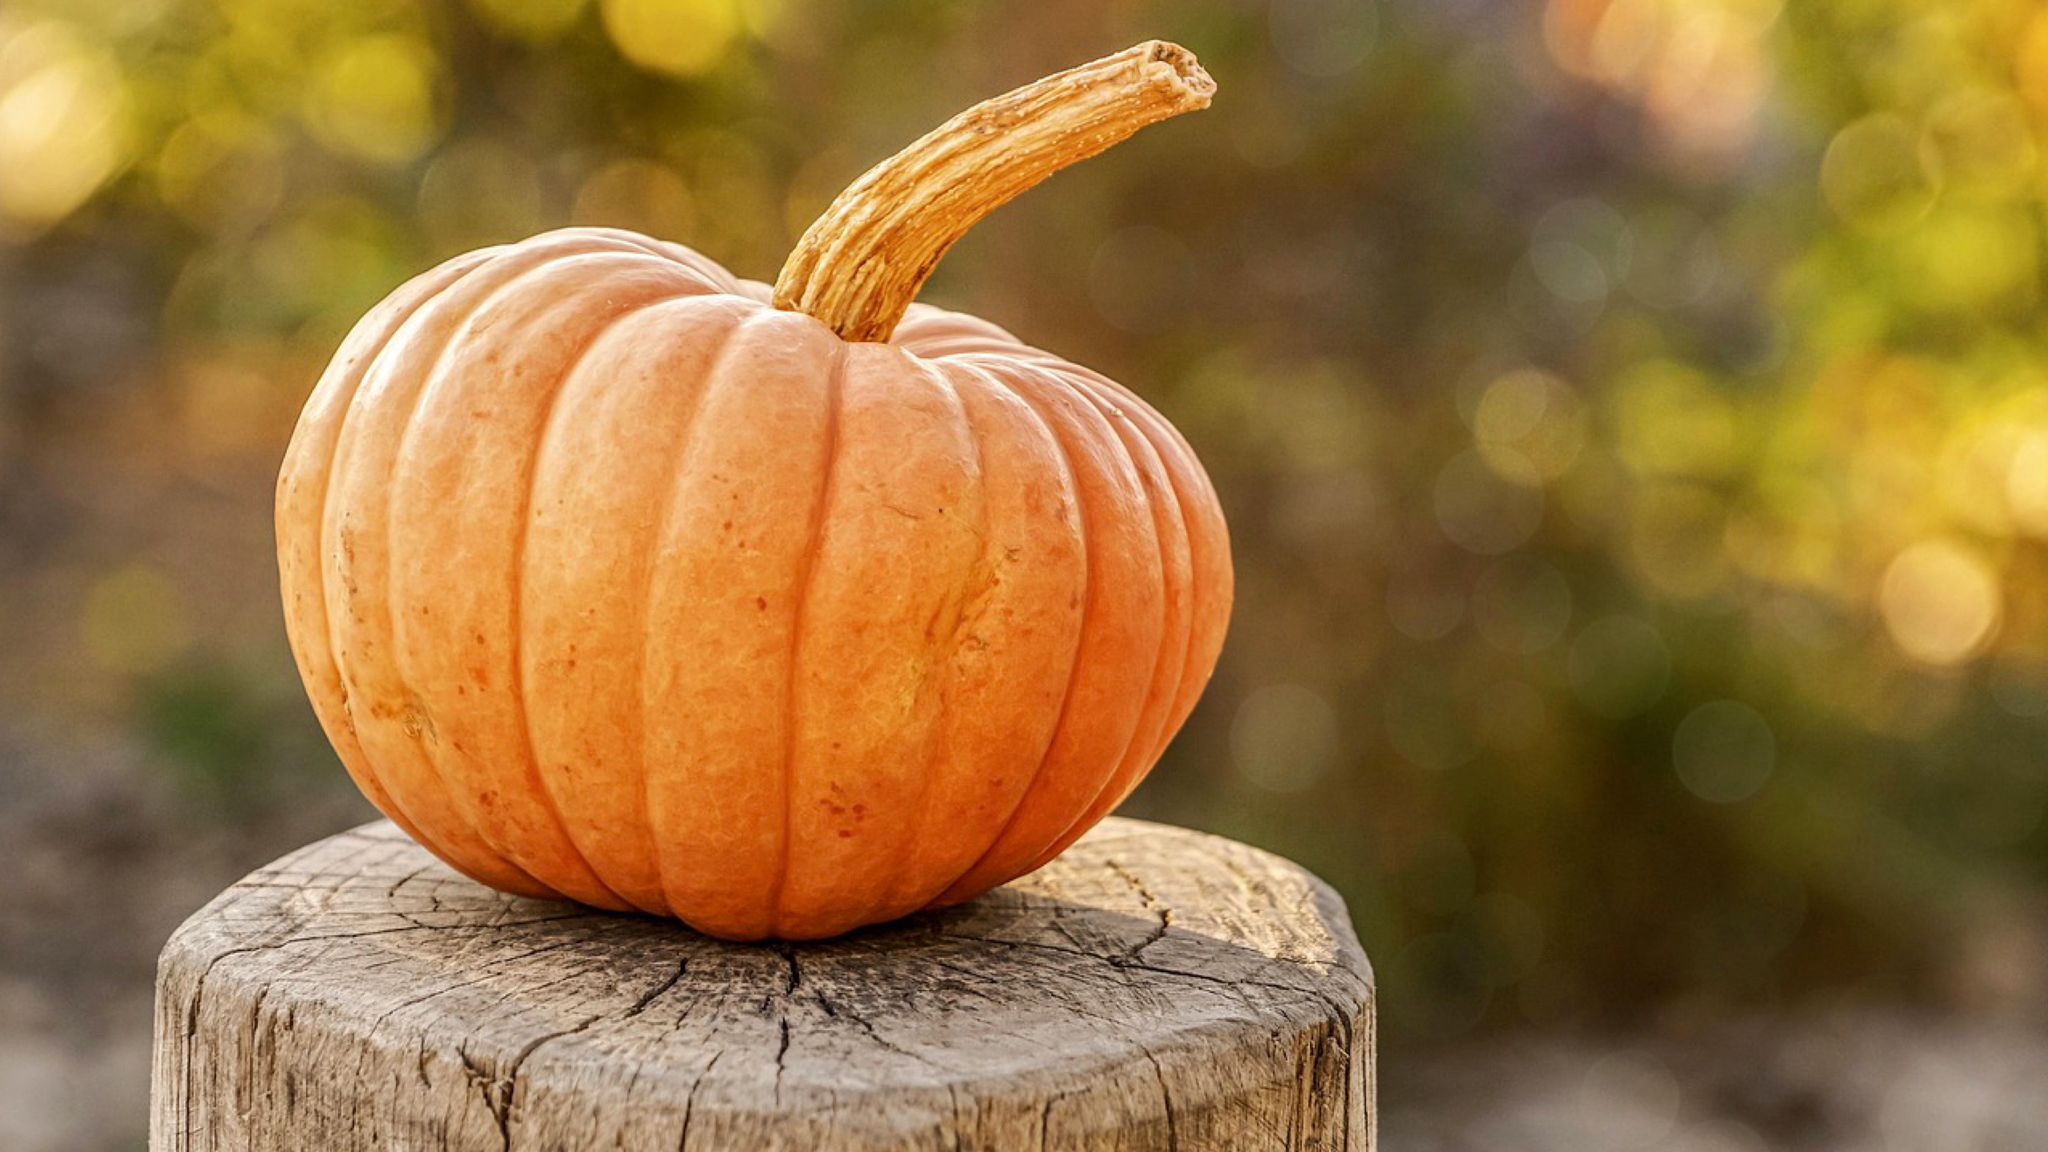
1151, 989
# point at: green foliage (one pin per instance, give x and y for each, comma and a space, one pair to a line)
234, 739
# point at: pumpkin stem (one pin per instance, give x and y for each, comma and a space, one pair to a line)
860, 264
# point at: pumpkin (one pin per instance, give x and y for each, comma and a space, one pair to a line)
615, 577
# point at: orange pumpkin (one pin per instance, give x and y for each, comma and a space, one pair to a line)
615, 577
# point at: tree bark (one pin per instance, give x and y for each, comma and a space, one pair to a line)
1152, 988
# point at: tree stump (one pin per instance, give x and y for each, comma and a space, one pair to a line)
1152, 988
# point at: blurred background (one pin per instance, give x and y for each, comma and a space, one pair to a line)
1632, 417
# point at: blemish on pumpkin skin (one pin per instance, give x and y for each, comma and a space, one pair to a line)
415, 720
761, 603
846, 833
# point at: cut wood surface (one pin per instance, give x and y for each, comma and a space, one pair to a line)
1153, 988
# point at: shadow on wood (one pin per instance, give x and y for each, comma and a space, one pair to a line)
1152, 988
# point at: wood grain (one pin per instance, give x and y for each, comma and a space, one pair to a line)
1153, 988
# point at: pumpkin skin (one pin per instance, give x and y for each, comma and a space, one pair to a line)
610, 581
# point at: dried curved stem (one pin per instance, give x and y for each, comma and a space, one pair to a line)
860, 264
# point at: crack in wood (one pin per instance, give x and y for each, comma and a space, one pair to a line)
659, 990
690, 1101
506, 1097
1166, 1106
781, 1052
1153, 903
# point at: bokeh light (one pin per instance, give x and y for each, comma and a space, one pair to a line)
1875, 175
1723, 751
1285, 738
1530, 426
676, 37
1941, 602
63, 121
374, 98
643, 195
